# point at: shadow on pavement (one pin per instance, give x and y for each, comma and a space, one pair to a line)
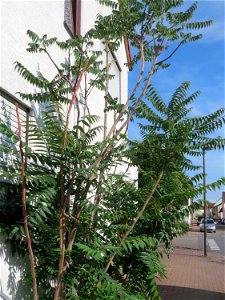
184, 293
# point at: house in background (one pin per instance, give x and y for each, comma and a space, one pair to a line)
219, 208
200, 212
215, 210
188, 219
210, 209
61, 19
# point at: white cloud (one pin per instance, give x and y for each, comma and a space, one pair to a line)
212, 10
214, 33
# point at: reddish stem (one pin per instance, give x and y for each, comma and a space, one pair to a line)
24, 208
62, 268
72, 102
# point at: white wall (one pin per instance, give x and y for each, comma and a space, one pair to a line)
42, 17
9, 269
47, 17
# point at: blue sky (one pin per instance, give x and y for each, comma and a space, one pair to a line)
201, 63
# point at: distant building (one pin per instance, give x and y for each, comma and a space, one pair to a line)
200, 212
218, 209
188, 219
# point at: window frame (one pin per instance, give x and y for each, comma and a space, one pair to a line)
73, 24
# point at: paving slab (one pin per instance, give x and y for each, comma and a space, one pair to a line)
190, 275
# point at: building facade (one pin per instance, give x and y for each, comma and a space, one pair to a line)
61, 19
219, 208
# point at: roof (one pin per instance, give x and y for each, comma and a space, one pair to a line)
218, 202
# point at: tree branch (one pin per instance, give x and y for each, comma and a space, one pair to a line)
55, 65
135, 220
162, 61
106, 89
72, 102
141, 71
106, 151
61, 271
24, 208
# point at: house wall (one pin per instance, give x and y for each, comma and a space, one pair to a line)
219, 208
43, 17
47, 17
188, 219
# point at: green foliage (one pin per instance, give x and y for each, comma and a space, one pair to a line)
170, 139
171, 133
71, 174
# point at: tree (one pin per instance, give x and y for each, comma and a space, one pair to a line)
170, 139
97, 242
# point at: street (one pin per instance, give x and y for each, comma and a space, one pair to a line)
194, 239
215, 241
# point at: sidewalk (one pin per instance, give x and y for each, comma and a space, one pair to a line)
191, 276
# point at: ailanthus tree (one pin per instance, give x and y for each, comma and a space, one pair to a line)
82, 219
170, 139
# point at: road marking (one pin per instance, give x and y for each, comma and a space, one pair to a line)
212, 244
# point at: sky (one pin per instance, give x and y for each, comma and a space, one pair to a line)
201, 63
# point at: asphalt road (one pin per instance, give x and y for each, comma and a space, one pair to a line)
194, 239
215, 241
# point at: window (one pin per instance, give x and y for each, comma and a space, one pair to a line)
10, 192
72, 16
10, 203
210, 222
8, 119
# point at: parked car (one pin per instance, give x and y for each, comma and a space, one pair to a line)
199, 219
210, 225
221, 221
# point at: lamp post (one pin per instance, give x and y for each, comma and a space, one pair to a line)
205, 205
223, 205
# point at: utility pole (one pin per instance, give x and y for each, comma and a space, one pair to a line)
223, 205
205, 204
